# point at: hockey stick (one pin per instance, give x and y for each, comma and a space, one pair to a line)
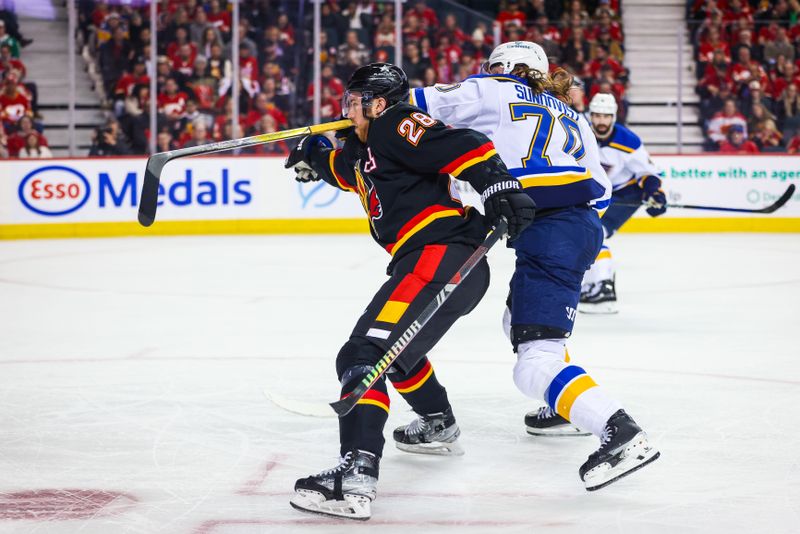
768, 209
156, 162
348, 402
299, 407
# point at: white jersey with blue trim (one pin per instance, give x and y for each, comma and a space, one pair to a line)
546, 144
625, 158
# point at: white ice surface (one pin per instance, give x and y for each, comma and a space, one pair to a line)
132, 374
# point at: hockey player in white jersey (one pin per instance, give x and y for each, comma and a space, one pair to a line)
551, 149
634, 179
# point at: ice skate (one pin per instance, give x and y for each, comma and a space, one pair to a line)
624, 449
546, 422
347, 490
600, 298
435, 433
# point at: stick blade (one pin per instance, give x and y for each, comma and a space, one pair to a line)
149, 199
781, 201
342, 407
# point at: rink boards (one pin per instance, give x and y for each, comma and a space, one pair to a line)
249, 194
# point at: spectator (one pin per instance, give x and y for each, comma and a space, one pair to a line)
267, 125
209, 38
13, 104
115, 57
755, 96
511, 17
6, 39
109, 141
427, 16
218, 17
414, 64
135, 121
198, 27
248, 70
330, 108
351, 55
8, 62
723, 120
412, 28
220, 68
33, 149
3, 142
172, 102
244, 41
164, 142
736, 142
781, 46
476, 47
17, 140
452, 31
794, 145
788, 107
199, 134
384, 33
328, 81
763, 130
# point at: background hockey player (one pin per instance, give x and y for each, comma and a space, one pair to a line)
634, 179
398, 160
550, 148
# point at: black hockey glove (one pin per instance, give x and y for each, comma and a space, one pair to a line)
507, 199
653, 196
298, 158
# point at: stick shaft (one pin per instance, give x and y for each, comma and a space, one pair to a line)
784, 198
343, 406
156, 162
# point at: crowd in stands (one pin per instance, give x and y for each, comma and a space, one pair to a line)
20, 125
276, 54
748, 70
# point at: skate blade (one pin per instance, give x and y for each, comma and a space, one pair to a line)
355, 507
636, 455
601, 308
557, 431
437, 448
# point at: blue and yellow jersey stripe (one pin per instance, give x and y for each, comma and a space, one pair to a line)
559, 186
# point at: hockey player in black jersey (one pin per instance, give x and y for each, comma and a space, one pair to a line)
399, 160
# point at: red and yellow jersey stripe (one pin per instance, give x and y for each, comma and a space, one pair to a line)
465, 161
420, 221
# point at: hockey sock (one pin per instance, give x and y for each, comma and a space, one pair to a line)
543, 371
601, 269
362, 428
420, 388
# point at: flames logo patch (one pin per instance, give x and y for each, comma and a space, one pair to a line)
369, 197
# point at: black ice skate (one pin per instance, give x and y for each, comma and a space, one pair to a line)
623, 449
600, 298
546, 422
435, 433
344, 491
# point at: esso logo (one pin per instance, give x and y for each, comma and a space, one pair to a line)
54, 190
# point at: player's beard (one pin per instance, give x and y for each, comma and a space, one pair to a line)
602, 130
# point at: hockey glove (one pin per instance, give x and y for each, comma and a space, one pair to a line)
298, 158
507, 199
653, 196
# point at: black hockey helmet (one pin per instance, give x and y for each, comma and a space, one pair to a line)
377, 80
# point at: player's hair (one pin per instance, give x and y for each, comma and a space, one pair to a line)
557, 83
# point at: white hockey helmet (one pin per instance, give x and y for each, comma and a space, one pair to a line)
514, 53
605, 104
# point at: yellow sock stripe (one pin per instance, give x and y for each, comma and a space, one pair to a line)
418, 384
603, 255
572, 392
374, 402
